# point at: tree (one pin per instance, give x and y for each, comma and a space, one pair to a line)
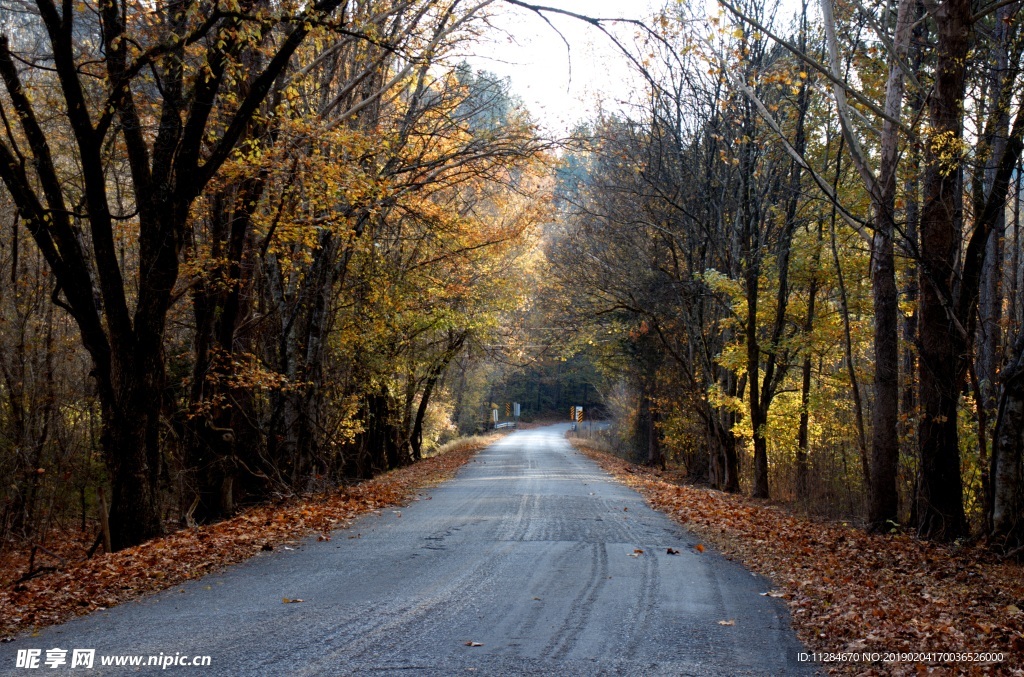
884, 501
160, 86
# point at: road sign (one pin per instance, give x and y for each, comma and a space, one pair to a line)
516, 409
508, 410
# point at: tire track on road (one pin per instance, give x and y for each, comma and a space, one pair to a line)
582, 607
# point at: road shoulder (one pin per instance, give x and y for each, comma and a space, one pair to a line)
851, 593
80, 586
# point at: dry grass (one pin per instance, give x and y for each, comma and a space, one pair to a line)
474, 443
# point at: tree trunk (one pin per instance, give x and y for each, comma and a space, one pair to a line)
802, 441
130, 442
755, 410
723, 471
1007, 532
883, 500
648, 444
989, 335
416, 439
211, 442
908, 398
940, 510
755, 407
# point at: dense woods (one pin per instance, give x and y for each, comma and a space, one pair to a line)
805, 244
243, 244
255, 249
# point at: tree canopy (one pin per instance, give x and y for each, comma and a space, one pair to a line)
255, 249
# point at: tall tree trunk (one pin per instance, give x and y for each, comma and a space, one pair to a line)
908, 398
851, 366
755, 409
416, 438
212, 440
1006, 474
802, 441
989, 335
750, 237
912, 197
883, 503
940, 509
883, 499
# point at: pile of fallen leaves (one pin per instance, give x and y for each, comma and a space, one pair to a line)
73, 586
849, 591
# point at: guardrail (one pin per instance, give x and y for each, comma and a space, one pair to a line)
506, 424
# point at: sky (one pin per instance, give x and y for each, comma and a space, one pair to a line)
562, 86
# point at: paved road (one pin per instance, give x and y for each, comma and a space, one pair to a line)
527, 552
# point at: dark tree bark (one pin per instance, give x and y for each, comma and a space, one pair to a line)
167, 174
455, 341
1007, 532
212, 442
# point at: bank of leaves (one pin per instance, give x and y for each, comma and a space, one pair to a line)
70, 585
850, 591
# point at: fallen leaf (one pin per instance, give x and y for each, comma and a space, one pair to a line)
672, 551
285, 600
828, 573
727, 622
82, 585
699, 548
471, 643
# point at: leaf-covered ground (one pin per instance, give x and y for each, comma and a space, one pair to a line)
849, 591
78, 586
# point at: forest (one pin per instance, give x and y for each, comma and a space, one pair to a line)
254, 250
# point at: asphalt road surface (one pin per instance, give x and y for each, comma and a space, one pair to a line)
532, 552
